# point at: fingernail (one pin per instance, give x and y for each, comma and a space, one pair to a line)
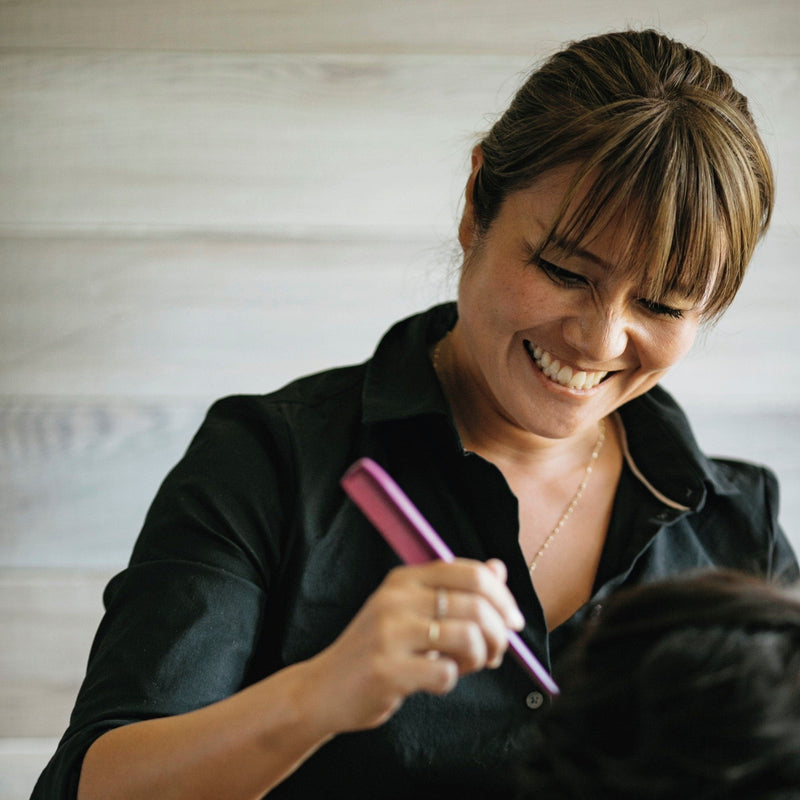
517, 620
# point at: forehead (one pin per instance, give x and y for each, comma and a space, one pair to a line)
540, 211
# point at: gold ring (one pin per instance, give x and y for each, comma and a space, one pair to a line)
441, 604
434, 632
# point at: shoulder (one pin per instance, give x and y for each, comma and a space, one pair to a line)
742, 520
309, 391
247, 445
660, 441
730, 506
751, 479
749, 489
326, 394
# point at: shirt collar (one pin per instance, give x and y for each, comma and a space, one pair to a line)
659, 445
400, 381
662, 452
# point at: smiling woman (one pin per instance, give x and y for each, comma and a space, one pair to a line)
550, 340
583, 314
263, 639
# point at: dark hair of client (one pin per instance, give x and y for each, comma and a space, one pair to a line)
688, 688
663, 139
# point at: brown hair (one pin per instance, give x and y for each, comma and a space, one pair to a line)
660, 136
688, 687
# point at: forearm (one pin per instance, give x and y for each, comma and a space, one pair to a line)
242, 747
238, 748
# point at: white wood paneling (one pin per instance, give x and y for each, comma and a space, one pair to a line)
77, 475
21, 761
724, 27
230, 142
47, 622
276, 143
207, 198
81, 474
199, 317
746, 361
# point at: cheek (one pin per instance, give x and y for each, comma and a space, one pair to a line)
490, 293
671, 345
505, 297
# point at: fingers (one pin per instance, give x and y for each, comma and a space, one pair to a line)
435, 675
419, 631
469, 604
498, 568
471, 630
468, 644
465, 577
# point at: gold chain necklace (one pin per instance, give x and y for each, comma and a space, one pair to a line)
575, 499
436, 349
598, 446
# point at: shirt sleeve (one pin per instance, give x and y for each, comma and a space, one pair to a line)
183, 621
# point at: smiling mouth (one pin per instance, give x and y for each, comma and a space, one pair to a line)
563, 374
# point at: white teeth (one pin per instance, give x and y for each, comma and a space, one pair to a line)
552, 369
578, 380
563, 375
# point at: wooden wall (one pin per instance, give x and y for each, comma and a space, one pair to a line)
208, 198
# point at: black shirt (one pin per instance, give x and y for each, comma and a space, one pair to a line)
252, 558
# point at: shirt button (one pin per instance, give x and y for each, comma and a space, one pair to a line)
534, 700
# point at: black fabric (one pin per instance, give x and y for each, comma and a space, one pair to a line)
252, 558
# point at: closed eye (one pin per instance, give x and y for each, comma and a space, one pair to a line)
573, 280
660, 309
560, 276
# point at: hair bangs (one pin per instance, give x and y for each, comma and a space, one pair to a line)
662, 143
676, 240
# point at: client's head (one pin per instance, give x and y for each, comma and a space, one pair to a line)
685, 688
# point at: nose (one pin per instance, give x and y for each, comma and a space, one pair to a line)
597, 333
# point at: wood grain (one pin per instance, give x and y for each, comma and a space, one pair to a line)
114, 348
238, 142
276, 144
21, 761
200, 316
207, 198
77, 475
724, 27
82, 504
47, 622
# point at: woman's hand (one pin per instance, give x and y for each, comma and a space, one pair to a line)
422, 629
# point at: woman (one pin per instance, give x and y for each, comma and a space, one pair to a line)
256, 643
688, 687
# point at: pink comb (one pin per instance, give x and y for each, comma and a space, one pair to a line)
411, 536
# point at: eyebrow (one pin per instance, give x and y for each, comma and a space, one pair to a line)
574, 248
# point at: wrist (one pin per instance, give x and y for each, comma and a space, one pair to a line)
299, 705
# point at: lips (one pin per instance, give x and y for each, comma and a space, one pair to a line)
563, 374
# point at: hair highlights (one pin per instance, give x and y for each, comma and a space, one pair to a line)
662, 139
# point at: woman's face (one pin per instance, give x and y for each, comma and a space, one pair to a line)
553, 345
